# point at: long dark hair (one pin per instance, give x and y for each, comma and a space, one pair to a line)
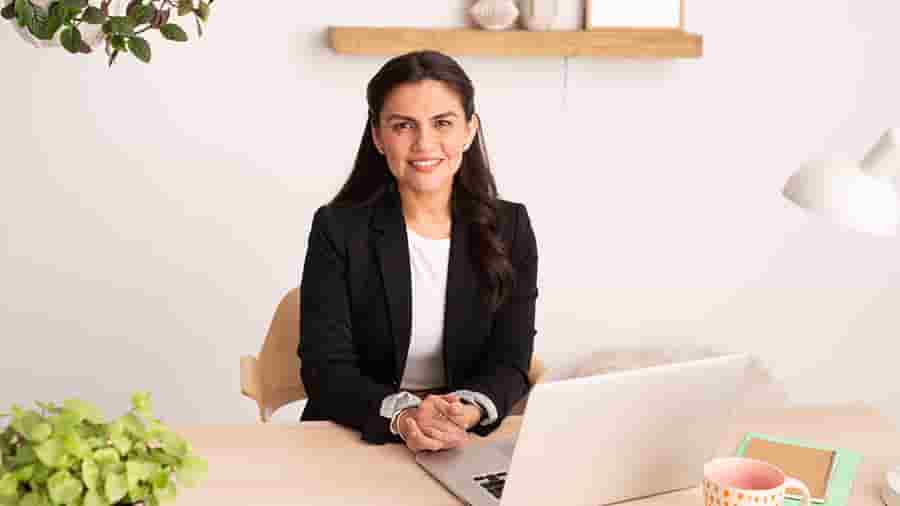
474, 194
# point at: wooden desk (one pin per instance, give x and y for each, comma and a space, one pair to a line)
320, 463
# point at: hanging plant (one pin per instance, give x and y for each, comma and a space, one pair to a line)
80, 26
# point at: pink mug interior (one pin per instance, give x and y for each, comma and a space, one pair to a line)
745, 474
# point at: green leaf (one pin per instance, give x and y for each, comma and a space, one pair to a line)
203, 10
185, 7
75, 445
25, 421
85, 410
44, 27
142, 14
74, 4
119, 25
94, 16
71, 39
40, 432
173, 444
23, 457
8, 12
192, 471
142, 403
137, 472
65, 422
24, 473
9, 485
116, 487
171, 31
105, 456
24, 12
122, 443
90, 474
165, 493
139, 492
51, 452
134, 425
41, 474
34, 499
64, 488
94, 498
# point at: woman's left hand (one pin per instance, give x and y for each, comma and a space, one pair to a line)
463, 415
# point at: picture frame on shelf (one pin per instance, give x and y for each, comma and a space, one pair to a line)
634, 14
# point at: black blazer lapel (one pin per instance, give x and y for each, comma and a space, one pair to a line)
462, 297
392, 250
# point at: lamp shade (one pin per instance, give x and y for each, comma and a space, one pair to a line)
842, 192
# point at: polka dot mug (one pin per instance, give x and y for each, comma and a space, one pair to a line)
738, 481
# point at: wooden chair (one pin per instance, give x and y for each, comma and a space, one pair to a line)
272, 378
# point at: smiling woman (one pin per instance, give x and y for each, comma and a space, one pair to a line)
419, 287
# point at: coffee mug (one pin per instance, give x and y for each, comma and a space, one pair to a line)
738, 481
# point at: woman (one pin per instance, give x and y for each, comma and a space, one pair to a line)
419, 287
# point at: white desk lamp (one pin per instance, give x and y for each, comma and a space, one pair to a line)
862, 196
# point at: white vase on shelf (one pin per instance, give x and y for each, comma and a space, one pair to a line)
495, 14
538, 14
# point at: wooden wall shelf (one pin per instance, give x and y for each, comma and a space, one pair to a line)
469, 42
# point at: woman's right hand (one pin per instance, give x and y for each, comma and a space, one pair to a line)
428, 426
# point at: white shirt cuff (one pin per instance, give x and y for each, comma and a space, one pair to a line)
488, 408
394, 403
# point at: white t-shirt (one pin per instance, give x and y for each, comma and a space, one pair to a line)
429, 260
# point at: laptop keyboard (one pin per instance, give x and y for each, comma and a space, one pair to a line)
492, 482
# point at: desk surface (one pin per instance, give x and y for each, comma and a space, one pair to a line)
320, 463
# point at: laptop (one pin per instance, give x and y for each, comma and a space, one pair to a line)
602, 439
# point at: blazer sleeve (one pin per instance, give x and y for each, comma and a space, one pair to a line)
503, 375
330, 372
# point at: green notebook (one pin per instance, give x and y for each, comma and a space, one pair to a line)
840, 483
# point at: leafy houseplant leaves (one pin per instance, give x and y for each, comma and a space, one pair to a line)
94, 498
61, 457
90, 475
71, 39
94, 16
51, 453
9, 12
64, 488
74, 4
142, 14
24, 12
171, 31
84, 410
116, 487
185, 7
203, 10
118, 25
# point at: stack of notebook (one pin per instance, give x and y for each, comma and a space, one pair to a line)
827, 472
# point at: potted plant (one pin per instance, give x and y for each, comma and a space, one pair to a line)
70, 455
80, 26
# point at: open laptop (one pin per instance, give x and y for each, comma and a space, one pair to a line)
602, 439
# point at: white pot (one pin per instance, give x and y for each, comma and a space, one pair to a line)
495, 14
92, 35
538, 14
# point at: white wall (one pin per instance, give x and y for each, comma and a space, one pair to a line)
154, 215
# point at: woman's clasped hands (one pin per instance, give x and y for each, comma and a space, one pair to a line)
440, 422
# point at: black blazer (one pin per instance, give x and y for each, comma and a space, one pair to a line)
355, 315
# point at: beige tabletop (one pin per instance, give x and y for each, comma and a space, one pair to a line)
320, 463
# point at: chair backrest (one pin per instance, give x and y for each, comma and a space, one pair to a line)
272, 378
